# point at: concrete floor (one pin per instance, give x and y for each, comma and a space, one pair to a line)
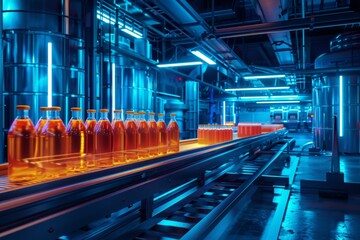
309, 216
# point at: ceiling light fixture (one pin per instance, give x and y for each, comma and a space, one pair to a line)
203, 57
271, 102
182, 64
285, 96
256, 89
255, 97
264, 76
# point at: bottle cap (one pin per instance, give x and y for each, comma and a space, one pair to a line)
22, 107
117, 111
76, 109
44, 108
151, 113
91, 111
160, 114
129, 112
173, 114
54, 108
104, 110
142, 113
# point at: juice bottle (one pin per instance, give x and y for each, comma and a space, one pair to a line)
119, 137
38, 127
53, 139
162, 134
90, 124
103, 140
131, 136
173, 135
76, 132
21, 144
143, 136
199, 134
154, 135
206, 134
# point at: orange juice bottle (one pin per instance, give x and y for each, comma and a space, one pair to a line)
143, 136
199, 134
53, 136
154, 135
131, 136
173, 135
76, 132
119, 137
38, 127
90, 124
21, 144
103, 140
162, 134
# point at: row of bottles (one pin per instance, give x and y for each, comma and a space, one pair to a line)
212, 134
50, 141
248, 129
266, 128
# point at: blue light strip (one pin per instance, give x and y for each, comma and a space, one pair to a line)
341, 107
113, 92
224, 112
49, 72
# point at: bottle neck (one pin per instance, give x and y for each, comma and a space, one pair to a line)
141, 117
23, 114
151, 118
91, 116
43, 114
129, 116
173, 118
76, 115
54, 114
103, 116
117, 116
160, 118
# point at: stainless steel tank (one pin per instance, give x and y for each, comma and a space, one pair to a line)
345, 53
28, 27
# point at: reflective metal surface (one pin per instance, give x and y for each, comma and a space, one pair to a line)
326, 99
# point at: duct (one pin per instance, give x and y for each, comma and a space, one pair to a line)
271, 11
191, 21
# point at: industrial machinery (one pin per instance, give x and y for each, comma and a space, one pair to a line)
182, 195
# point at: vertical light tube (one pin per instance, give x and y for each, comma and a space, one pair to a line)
49, 71
224, 112
113, 87
234, 115
341, 106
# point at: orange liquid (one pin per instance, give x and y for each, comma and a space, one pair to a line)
76, 132
39, 126
90, 136
53, 139
200, 137
154, 139
118, 141
131, 135
162, 137
21, 144
143, 139
103, 143
173, 137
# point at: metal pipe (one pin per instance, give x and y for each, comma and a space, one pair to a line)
335, 160
303, 39
2, 108
313, 22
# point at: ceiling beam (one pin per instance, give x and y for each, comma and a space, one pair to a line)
315, 22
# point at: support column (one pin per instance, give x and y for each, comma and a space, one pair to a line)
2, 135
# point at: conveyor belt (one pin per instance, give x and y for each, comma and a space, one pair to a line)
50, 209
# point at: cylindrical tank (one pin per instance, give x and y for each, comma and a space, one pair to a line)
345, 52
29, 26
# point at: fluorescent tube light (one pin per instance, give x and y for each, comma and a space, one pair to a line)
264, 76
203, 57
224, 112
255, 97
49, 72
285, 96
182, 64
255, 89
113, 92
341, 107
269, 102
132, 33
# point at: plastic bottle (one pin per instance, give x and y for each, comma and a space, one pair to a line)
143, 136
199, 134
131, 136
76, 132
119, 137
163, 135
154, 135
38, 127
103, 140
21, 145
173, 135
